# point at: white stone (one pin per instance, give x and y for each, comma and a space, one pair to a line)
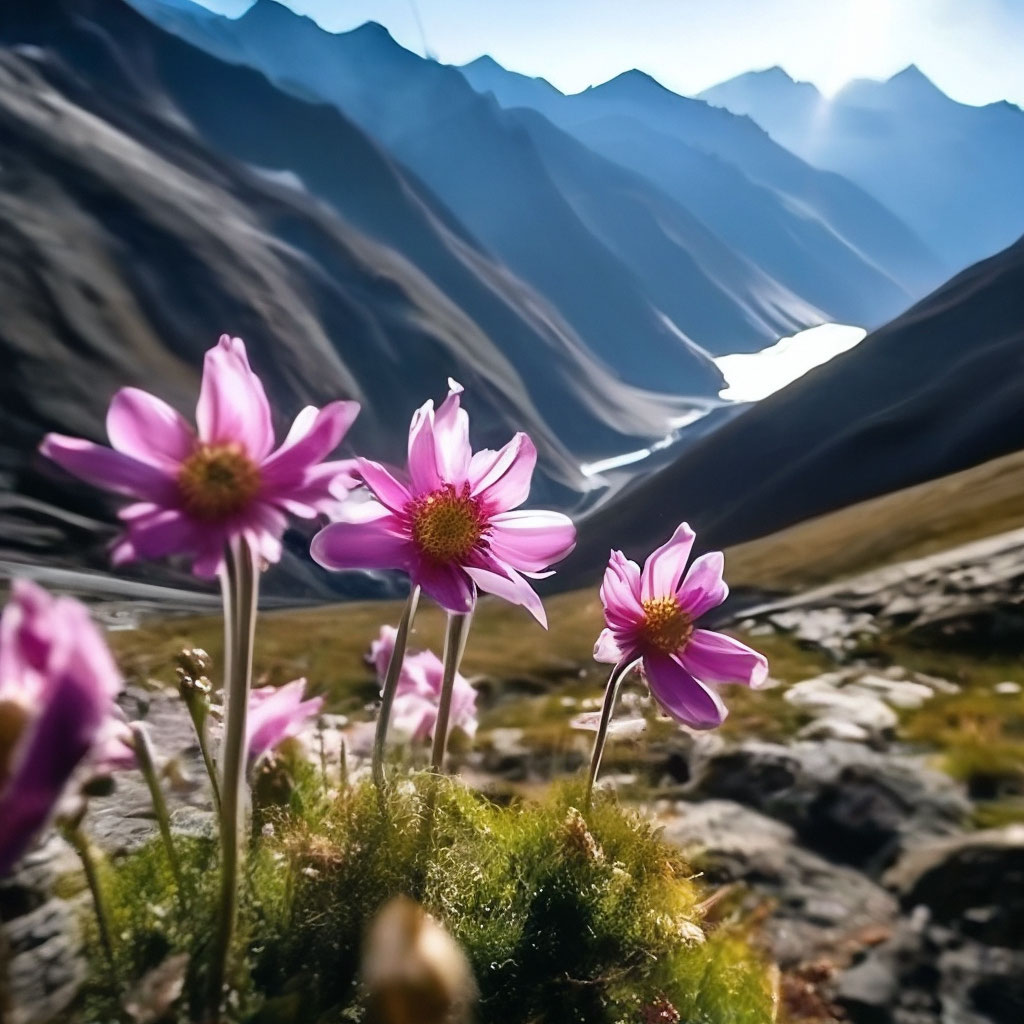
834, 729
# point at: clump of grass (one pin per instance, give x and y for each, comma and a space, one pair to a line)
564, 918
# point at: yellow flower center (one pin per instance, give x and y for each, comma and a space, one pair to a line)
13, 718
446, 525
217, 481
666, 626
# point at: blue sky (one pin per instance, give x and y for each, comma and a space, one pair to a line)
973, 49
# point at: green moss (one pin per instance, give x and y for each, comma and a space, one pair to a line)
977, 734
997, 813
563, 920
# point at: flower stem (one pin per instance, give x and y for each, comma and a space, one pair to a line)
147, 765
211, 767
454, 644
611, 693
198, 704
391, 686
240, 591
74, 834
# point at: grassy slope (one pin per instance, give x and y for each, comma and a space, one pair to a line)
978, 502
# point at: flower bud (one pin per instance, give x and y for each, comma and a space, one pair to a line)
414, 971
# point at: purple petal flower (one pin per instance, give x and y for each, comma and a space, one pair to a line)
113, 750
651, 615
450, 525
196, 490
419, 690
278, 713
57, 686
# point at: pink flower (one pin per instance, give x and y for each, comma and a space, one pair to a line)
278, 713
194, 491
450, 526
114, 749
57, 686
419, 690
652, 616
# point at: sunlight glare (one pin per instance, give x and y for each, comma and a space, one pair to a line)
863, 25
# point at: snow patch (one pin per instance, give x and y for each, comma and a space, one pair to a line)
756, 375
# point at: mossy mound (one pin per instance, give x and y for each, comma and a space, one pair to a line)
564, 917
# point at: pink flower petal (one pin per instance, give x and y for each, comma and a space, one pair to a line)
413, 716
148, 429
448, 585
389, 491
607, 649
373, 544
531, 541
313, 436
502, 481
511, 587
664, 568
717, 658
277, 713
113, 471
359, 510
681, 695
264, 528
619, 592
164, 532
68, 664
381, 650
208, 561
703, 588
233, 406
422, 459
320, 489
452, 452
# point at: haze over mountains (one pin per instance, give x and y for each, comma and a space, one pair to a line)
951, 171
373, 222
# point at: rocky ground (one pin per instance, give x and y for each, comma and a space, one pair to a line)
840, 837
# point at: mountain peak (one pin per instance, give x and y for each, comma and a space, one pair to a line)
372, 30
485, 62
634, 80
912, 77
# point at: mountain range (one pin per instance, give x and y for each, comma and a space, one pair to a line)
813, 231
807, 246
949, 170
373, 222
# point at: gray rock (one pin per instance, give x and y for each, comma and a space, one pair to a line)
845, 801
828, 728
817, 904
868, 991
973, 882
42, 961
823, 698
968, 594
